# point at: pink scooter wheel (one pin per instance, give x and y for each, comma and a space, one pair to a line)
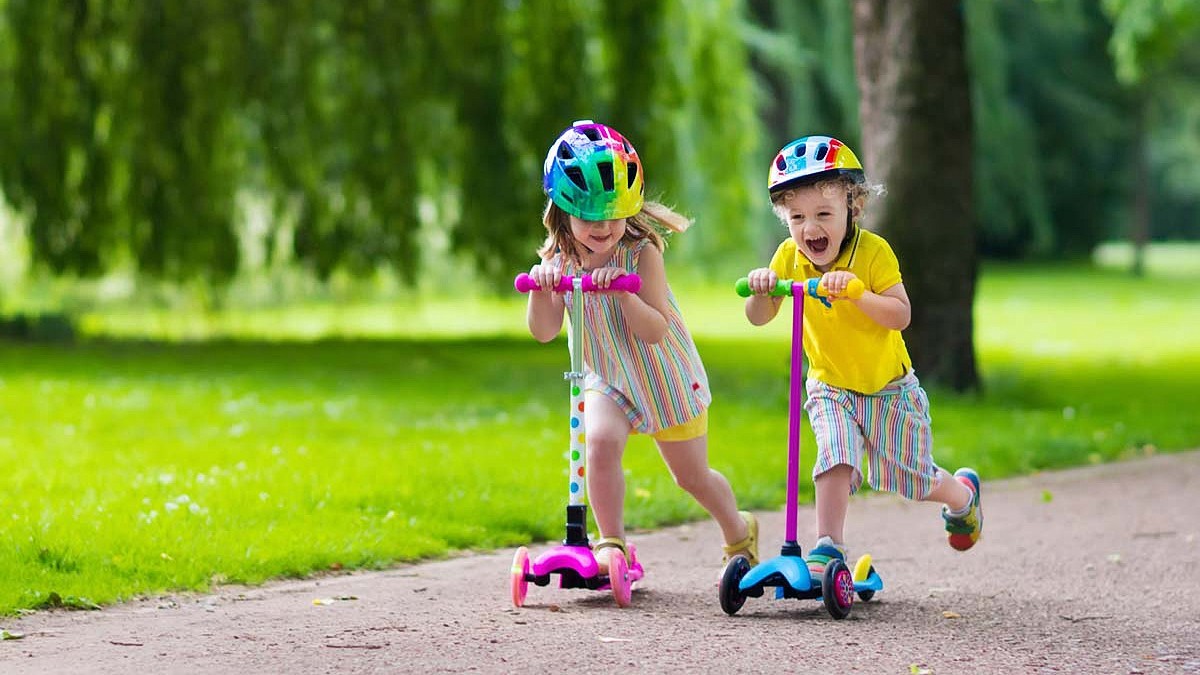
618, 579
520, 567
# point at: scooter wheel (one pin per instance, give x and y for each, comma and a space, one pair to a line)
867, 594
863, 569
837, 589
618, 579
730, 591
520, 584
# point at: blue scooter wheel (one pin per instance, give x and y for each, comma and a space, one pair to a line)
731, 579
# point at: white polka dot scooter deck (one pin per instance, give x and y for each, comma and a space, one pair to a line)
574, 561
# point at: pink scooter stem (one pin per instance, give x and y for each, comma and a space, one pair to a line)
630, 283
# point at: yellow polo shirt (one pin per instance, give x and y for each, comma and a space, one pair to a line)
845, 347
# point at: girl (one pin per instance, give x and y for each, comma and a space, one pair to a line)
643, 374
864, 401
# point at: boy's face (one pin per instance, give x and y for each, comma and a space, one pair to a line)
816, 218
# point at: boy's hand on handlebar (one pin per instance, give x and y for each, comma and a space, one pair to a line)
546, 276
762, 280
835, 283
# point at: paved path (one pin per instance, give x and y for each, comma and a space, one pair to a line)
1094, 570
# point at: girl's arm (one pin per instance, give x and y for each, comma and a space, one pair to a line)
646, 310
545, 313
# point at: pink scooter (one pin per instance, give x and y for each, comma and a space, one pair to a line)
574, 561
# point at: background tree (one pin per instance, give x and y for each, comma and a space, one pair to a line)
385, 135
917, 132
1147, 43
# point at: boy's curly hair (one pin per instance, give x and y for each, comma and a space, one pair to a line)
858, 193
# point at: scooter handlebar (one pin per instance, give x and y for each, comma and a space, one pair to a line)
630, 283
813, 287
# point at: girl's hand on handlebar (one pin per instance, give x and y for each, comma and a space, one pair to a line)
835, 283
546, 276
604, 276
762, 280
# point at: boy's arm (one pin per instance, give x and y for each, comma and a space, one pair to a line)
890, 309
762, 308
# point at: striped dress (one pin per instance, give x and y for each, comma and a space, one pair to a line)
659, 386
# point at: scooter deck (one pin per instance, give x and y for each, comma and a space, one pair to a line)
576, 567
788, 574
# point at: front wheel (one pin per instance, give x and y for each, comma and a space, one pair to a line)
519, 580
618, 579
837, 589
731, 580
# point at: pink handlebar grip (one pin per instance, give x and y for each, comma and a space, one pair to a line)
630, 283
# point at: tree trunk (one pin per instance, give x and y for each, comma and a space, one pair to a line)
1139, 226
917, 140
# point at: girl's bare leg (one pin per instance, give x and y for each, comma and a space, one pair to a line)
607, 431
688, 462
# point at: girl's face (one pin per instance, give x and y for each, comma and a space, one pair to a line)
816, 216
599, 237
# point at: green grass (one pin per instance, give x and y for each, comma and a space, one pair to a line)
132, 467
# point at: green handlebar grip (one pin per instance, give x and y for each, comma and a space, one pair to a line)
782, 287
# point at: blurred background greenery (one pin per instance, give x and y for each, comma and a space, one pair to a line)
187, 184
234, 142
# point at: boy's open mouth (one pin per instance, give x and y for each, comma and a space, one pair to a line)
817, 245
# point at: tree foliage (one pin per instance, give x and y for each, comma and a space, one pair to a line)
131, 130
133, 133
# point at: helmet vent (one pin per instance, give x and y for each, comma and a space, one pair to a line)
631, 171
591, 133
606, 175
780, 162
799, 152
822, 150
565, 151
576, 176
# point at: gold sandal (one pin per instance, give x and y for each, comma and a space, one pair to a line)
748, 546
609, 542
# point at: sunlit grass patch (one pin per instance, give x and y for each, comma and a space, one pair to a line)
131, 468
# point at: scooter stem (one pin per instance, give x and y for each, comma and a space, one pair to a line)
794, 412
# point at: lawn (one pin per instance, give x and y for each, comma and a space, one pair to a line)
133, 467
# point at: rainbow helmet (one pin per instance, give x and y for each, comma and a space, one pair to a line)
808, 159
593, 173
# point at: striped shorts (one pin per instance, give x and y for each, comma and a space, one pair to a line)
890, 427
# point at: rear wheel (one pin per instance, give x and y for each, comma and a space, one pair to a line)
863, 571
731, 579
618, 579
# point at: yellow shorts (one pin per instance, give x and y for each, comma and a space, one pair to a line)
693, 428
